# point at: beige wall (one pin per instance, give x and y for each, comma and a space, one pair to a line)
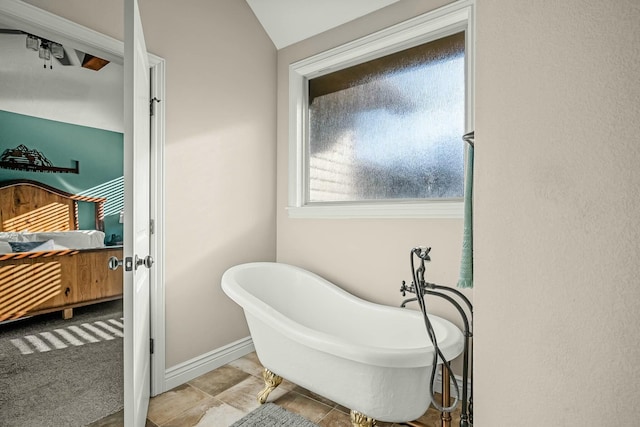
369, 257
220, 154
557, 238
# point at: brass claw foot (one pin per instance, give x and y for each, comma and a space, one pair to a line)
361, 420
271, 381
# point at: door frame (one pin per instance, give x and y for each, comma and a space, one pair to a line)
35, 20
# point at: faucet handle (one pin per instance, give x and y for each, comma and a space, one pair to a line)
404, 288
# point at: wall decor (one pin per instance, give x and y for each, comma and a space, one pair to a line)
99, 151
23, 158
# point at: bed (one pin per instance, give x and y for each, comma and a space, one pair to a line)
46, 263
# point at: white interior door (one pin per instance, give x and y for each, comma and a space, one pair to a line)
137, 226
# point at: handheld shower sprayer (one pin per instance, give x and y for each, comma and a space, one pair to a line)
420, 287
422, 252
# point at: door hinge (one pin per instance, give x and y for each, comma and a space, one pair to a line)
152, 226
152, 109
151, 346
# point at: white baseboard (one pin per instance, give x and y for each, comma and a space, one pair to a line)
437, 385
200, 365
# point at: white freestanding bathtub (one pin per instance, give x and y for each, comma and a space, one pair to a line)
373, 359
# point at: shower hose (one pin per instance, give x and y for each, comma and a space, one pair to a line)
422, 288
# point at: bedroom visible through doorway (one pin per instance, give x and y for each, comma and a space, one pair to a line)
62, 127
17, 14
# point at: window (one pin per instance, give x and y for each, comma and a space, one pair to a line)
377, 125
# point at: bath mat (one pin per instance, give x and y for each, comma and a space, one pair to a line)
272, 415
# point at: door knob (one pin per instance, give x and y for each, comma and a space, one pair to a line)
146, 261
114, 263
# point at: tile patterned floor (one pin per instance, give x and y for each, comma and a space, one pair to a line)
223, 396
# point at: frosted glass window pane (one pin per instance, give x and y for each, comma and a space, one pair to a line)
390, 128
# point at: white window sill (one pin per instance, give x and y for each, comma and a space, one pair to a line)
430, 210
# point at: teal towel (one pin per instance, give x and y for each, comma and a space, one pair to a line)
466, 264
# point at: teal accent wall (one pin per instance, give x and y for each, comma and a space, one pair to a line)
99, 153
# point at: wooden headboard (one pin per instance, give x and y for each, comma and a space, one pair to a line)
33, 206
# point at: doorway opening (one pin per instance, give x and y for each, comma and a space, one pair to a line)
17, 15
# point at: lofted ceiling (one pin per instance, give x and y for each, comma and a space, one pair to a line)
290, 21
29, 86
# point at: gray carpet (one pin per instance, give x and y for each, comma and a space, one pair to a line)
271, 415
60, 373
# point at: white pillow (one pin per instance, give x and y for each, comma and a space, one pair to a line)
75, 239
12, 236
5, 248
46, 246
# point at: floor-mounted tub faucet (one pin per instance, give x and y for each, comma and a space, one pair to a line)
420, 287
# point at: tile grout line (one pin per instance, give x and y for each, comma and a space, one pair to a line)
251, 373
188, 409
195, 387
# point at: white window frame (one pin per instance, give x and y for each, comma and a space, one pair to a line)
447, 20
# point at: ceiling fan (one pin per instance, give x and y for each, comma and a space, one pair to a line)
47, 48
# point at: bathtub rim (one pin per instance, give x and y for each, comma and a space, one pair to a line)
451, 346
